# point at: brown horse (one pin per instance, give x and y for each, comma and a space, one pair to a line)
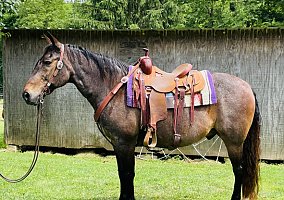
235, 118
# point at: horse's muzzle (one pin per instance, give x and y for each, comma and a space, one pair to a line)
29, 99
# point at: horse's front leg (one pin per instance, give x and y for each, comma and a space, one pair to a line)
126, 163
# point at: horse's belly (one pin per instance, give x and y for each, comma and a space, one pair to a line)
204, 118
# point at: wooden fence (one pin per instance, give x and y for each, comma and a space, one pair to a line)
255, 55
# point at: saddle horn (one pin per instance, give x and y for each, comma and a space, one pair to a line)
146, 62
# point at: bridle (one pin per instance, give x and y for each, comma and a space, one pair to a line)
45, 91
58, 67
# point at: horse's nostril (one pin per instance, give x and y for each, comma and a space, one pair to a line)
26, 96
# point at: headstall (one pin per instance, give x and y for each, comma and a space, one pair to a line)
59, 66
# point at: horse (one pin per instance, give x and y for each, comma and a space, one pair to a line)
235, 118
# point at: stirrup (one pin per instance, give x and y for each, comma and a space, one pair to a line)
150, 139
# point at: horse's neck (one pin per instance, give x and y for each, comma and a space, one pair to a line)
89, 81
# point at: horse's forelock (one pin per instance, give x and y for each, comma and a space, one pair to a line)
50, 48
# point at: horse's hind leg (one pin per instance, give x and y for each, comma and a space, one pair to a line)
235, 154
125, 162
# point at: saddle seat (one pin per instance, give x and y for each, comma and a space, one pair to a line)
182, 76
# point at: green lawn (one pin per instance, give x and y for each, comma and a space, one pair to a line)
89, 176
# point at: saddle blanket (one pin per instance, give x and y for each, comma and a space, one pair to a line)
207, 96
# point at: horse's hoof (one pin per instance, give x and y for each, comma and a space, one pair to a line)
126, 198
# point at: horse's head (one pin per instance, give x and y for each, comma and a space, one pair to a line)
49, 73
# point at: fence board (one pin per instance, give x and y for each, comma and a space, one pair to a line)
255, 55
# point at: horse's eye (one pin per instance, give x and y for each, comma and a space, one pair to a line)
47, 62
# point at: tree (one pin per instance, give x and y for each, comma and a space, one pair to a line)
149, 14
221, 13
146, 14
43, 14
7, 8
271, 13
82, 15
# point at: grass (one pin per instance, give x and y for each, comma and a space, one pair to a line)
89, 176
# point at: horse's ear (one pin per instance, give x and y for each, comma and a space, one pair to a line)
47, 39
52, 40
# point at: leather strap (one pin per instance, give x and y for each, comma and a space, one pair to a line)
181, 104
192, 100
142, 100
177, 136
111, 94
176, 106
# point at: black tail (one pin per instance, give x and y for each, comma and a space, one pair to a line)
251, 157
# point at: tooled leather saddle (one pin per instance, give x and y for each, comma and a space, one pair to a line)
151, 85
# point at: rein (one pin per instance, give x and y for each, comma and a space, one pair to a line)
45, 91
36, 153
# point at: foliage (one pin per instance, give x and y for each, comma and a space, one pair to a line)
271, 13
43, 14
110, 14
81, 16
149, 14
7, 7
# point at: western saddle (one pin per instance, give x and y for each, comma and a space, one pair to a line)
151, 85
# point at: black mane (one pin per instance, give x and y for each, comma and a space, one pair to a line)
107, 65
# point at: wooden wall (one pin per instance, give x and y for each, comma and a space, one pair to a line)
255, 55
